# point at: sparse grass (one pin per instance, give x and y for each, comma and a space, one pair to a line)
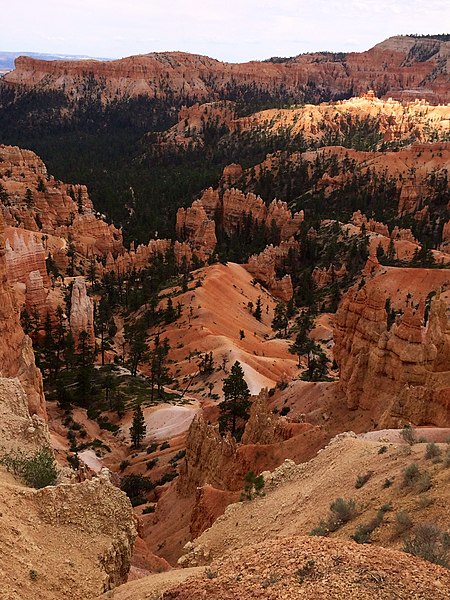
429, 542
432, 451
409, 435
424, 482
447, 459
365, 530
37, 470
341, 512
424, 502
411, 475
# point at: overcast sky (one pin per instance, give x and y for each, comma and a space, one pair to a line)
230, 30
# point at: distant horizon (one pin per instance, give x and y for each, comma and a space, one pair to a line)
235, 32
86, 56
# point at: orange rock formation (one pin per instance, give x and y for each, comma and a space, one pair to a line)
403, 373
408, 75
16, 352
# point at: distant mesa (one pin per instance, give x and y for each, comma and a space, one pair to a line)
402, 67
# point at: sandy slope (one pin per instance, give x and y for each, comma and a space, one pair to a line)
213, 316
298, 496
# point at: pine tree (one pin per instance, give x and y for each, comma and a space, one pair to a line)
234, 410
302, 344
138, 428
258, 309
159, 372
280, 318
169, 314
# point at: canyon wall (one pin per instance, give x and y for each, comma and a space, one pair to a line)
16, 352
394, 67
401, 373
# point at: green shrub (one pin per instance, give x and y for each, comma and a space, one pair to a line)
37, 470
135, 487
164, 446
382, 449
151, 463
387, 483
321, 529
178, 456
166, 478
364, 531
430, 543
408, 434
152, 448
432, 451
123, 465
411, 475
149, 509
138, 500
343, 510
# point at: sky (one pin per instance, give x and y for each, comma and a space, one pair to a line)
229, 30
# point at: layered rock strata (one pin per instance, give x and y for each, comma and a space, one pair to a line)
401, 373
16, 352
407, 74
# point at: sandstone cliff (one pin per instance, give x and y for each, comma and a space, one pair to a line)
400, 373
194, 76
229, 210
35, 201
69, 540
16, 352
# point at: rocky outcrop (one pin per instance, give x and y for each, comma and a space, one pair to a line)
141, 257
69, 541
445, 246
81, 313
36, 296
35, 201
395, 67
25, 254
18, 430
194, 225
309, 567
263, 267
16, 352
324, 276
399, 374
231, 175
195, 122
267, 440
